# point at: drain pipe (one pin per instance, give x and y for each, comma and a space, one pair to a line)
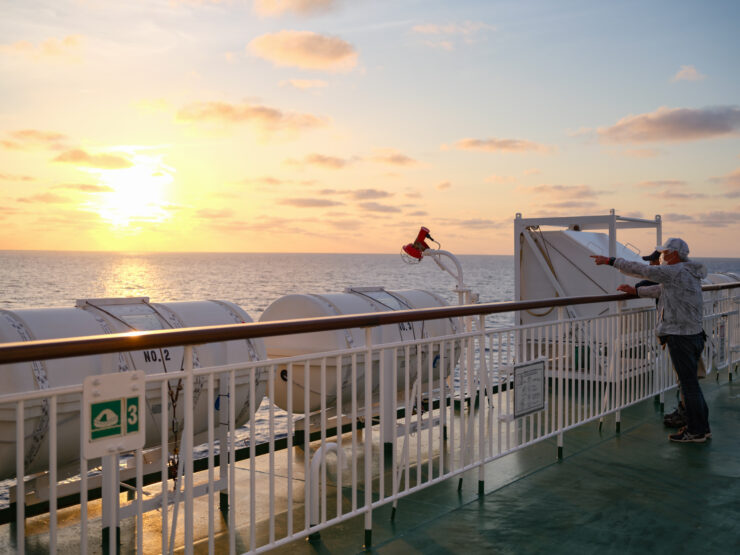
318, 458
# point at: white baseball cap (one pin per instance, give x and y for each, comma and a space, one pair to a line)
675, 244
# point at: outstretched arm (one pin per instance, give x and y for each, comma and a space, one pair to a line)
601, 260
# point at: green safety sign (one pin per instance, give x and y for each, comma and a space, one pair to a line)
115, 417
113, 411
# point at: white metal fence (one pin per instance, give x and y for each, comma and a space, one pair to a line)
376, 423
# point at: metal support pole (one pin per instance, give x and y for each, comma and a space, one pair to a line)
561, 379
187, 449
111, 540
223, 442
368, 437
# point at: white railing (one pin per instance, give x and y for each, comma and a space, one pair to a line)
409, 415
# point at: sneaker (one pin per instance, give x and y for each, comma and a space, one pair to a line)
683, 436
674, 420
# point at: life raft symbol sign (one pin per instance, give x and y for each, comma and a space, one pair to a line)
111, 410
106, 418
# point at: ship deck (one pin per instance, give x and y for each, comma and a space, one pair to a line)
627, 492
632, 492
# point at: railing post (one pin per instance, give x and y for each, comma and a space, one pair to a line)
223, 441
560, 354
618, 368
187, 448
111, 531
368, 437
485, 401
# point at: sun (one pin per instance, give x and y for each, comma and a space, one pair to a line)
136, 194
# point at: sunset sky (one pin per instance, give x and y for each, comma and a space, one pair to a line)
344, 125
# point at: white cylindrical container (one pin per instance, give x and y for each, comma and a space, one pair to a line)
103, 316
355, 301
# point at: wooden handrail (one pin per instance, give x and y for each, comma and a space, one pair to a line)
25, 351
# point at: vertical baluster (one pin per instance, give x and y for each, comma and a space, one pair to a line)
252, 464
187, 449
354, 432
53, 474
368, 436
20, 472
289, 451
323, 439
164, 442
232, 453
211, 447
340, 450
271, 452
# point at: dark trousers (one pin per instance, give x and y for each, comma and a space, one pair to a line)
685, 351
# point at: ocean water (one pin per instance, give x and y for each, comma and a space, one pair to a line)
253, 281
32, 279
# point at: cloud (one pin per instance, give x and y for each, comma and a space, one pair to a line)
15, 177
376, 207
265, 180
322, 161
532, 171
274, 181
662, 183
393, 158
367, 194
567, 190
344, 224
496, 145
213, 214
466, 28
443, 186
304, 83
578, 204
444, 35
731, 181
44, 198
676, 195
673, 125
263, 117
677, 218
67, 49
717, 218
310, 202
79, 157
271, 8
642, 152
688, 73
305, 50
478, 223
85, 188
265, 224
29, 139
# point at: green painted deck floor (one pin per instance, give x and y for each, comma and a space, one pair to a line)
635, 492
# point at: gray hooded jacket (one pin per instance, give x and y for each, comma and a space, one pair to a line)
680, 302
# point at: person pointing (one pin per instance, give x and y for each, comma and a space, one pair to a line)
679, 323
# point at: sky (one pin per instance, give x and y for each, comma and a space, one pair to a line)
345, 125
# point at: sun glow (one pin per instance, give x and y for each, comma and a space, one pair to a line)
138, 194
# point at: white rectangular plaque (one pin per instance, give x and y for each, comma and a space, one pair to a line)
529, 388
112, 410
